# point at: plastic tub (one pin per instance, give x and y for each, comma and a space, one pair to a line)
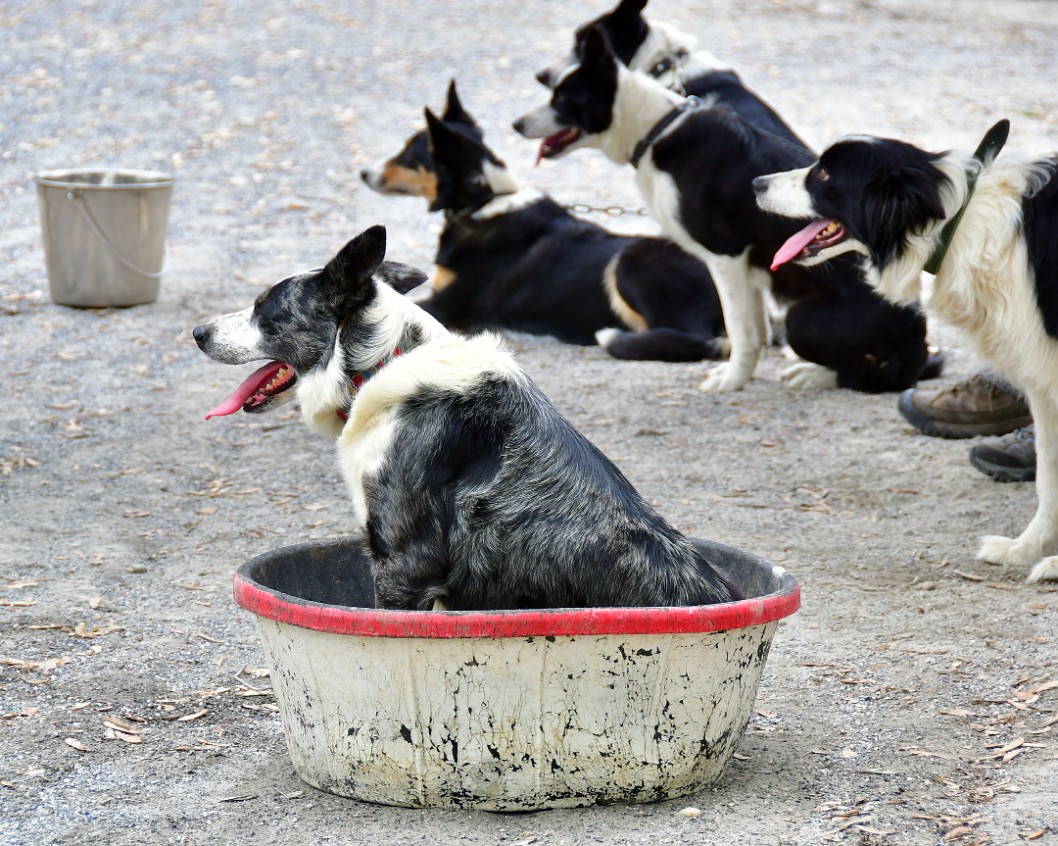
507, 711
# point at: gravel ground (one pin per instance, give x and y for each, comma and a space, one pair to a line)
911, 701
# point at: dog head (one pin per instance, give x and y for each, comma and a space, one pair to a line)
582, 102
295, 324
468, 174
880, 197
626, 29
411, 173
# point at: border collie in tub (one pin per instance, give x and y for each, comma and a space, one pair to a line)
474, 493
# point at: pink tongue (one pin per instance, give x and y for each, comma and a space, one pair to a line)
247, 389
796, 243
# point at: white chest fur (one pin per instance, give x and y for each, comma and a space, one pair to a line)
362, 448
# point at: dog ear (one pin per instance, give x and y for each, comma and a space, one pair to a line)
349, 273
401, 277
597, 56
445, 147
443, 141
454, 111
630, 9
898, 203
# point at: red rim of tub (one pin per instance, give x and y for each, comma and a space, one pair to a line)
372, 622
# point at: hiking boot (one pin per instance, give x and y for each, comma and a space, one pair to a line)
975, 406
1011, 458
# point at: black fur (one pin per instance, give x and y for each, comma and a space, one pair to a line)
1041, 235
503, 504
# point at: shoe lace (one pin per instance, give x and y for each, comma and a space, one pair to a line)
1026, 436
979, 382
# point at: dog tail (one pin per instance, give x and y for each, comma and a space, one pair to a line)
661, 345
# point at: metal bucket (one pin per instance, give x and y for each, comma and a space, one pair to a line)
104, 234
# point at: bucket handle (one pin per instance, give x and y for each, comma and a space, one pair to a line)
86, 213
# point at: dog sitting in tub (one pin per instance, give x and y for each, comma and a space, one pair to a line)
473, 492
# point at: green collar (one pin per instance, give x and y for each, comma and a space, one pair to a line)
985, 153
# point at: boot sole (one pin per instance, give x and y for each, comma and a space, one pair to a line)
956, 431
1002, 473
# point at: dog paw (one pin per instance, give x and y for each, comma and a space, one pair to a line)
806, 376
1045, 571
605, 337
999, 550
723, 377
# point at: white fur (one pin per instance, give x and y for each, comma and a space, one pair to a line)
785, 194
323, 392
237, 337
450, 362
539, 123
498, 178
901, 281
507, 203
638, 106
390, 314
808, 376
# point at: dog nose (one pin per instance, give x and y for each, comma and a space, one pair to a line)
759, 184
365, 175
519, 126
544, 77
199, 333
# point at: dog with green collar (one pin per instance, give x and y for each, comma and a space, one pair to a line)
987, 227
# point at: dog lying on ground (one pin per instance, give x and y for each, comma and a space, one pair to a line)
661, 51
695, 166
513, 259
989, 231
473, 491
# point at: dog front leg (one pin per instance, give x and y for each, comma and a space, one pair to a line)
1038, 544
746, 319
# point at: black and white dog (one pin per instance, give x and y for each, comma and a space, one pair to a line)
989, 230
511, 258
474, 492
661, 51
695, 166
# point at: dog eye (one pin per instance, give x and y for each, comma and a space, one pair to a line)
822, 175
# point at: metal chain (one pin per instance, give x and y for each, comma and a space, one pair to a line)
611, 211
677, 75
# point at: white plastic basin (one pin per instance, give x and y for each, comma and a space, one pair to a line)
507, 711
